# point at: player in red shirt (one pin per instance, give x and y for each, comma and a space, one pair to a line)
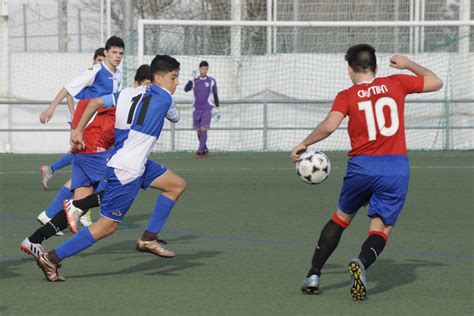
88, 172
378, 170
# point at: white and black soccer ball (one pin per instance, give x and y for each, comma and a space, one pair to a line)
313, 167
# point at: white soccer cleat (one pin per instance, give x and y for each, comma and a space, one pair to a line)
44, 219
32, 249
46, 175
310, 285
72, 214
86, 219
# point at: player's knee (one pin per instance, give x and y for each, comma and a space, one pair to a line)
109, 229
103, 228
378, 225
176, 189
344, 216
180, 185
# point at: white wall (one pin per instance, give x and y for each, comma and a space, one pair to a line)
39, 76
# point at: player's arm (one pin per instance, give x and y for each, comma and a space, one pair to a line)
431, 81
320, 132
173, 114
70, 104
189, 84
47, 114
216, 99
216, 113
214, 93
92, 107
86, 78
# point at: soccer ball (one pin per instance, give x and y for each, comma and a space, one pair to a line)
313, 167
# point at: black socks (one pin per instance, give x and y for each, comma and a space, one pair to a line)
89, 202
57, 224
327, 243
372, 248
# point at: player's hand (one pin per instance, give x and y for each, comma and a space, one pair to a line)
399, 62
295, 153
46, 115
216, 114
194, 74
76, 140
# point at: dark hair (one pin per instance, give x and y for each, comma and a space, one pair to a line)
99, 52
361, 58
163, 64
203, 64
114, 41
143, 73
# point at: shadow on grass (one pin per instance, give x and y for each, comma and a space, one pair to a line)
389, 274
8, 268
386, 274
156, 265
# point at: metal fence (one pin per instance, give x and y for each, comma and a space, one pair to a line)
267, 125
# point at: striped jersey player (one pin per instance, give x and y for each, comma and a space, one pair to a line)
140, 117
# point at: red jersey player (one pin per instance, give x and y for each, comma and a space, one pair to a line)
378, 170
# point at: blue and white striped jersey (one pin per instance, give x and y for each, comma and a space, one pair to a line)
139, 119
95, 82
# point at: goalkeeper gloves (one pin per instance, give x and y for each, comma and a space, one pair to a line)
194, 74
216, 114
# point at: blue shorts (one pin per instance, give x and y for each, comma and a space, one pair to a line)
378, 181
100, 186
88, 169
118, 197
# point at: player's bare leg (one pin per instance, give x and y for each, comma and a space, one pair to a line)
104, 227
171, 186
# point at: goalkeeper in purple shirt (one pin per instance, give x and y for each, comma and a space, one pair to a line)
205, 98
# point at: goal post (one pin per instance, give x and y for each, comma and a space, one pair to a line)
281, 80
299, 24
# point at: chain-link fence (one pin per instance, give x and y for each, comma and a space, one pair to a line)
79, 26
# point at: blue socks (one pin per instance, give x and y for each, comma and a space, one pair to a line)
57, 205
77, 243
160, 214
62, 162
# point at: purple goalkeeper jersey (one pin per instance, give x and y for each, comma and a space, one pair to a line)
204, 88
